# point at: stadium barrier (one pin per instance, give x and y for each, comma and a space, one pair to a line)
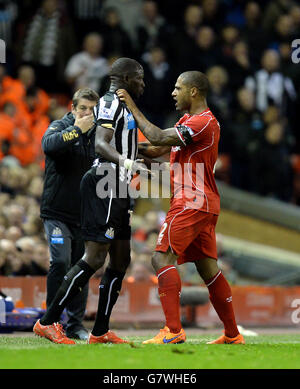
138, 304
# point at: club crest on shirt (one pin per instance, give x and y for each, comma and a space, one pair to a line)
57, 231
110, 233
56, 236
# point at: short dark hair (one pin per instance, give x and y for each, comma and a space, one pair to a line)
199, 80
123, 66
84, 93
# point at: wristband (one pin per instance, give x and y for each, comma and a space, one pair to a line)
128, 164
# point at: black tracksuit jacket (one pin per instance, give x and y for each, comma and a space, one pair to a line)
69, 154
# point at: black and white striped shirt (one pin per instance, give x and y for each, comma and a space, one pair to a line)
111, 113
87, 9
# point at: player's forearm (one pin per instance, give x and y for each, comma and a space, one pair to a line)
107, 152
151, 132
150, 151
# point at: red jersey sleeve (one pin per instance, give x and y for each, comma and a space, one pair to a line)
195, 129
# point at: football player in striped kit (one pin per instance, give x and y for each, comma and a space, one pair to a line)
105, 206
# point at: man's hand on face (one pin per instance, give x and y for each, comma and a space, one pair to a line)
84, 123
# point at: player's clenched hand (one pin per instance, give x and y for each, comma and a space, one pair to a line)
135, 166
84, 123
125, 96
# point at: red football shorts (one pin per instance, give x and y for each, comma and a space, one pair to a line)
189, 233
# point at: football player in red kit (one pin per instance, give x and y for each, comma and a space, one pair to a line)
188, 234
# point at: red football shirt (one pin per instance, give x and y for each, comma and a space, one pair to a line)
192, 164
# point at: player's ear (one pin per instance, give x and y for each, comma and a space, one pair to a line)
194, 91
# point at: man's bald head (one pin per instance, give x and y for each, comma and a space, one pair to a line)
195, 79
125, 66
127, 73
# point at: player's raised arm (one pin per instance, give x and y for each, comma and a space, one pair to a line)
154, 134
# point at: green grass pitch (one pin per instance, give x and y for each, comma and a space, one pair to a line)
261, 352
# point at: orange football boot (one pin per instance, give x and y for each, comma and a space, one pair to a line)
109, 337
239, 339
165, 337
159, 336
54, 332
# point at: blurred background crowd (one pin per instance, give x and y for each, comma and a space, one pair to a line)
54, 47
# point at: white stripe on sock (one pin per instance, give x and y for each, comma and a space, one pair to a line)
173, 267
214, 279
109, 293
69, 288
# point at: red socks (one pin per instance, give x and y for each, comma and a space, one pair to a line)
169, 287
221, 299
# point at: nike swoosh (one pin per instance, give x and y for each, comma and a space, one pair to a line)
230, 342
170, 340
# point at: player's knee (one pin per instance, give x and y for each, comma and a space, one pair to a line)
207, 268
120, 264
155, 261
95, 261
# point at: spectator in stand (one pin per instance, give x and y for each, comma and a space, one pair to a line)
116, 39
246, 126
7, 125
88, 67
273, 11
15, 215
7, 85
219, 101
284, 31
8, 257
271, 86
34, 257
130, 13
148, 31
229, 36
181, 42
34, 109
25, 247
86, 15
49, 42
238, 65
271, 151
295, 14
156, 101
253, 33
27, 78
207, 53
40, 260
13, 233
213, 14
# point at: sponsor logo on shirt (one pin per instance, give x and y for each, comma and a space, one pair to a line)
131, 125
106, 113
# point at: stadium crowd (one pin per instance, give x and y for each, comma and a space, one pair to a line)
54, 47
